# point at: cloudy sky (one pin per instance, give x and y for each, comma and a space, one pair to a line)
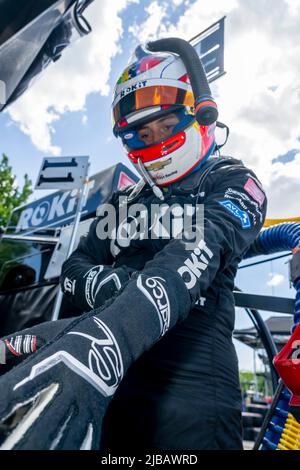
67, 112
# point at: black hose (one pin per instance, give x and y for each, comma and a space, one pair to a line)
206, 111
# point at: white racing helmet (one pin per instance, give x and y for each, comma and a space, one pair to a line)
156, 86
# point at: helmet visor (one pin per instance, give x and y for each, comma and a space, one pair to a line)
156, 131
151, 96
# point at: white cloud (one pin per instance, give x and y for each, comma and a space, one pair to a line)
152, 27
276, 280
84, 119
83, 69
284, 189
259, 97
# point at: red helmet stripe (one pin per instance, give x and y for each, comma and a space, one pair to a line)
160, 150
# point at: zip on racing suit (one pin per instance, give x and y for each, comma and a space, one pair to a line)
184, 392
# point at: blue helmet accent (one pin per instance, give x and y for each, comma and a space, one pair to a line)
209, 153
131, 139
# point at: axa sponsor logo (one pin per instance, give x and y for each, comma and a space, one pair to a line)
243, 205
237, 212
155, 292
195, 264
238, 194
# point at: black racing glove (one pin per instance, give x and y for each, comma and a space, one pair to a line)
109, 285
57, 397
93, 287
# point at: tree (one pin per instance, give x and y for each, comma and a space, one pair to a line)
247, 380
11, 195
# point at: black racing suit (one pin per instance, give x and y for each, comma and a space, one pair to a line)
184, 392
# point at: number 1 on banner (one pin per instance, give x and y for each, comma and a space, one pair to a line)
62, 173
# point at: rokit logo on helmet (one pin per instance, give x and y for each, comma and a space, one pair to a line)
195, 264
132, 88
154, 290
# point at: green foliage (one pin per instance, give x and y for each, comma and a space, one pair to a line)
247, 379
11, 195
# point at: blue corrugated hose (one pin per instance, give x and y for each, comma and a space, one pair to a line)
281, 237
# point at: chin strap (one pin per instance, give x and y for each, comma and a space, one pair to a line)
156, 190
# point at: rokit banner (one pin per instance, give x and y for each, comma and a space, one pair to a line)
58, 209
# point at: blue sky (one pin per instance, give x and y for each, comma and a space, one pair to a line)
67, 112
71, 133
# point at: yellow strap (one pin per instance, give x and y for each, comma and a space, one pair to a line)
270, 222
292, 420
290, 437
291, 432
292, 440
292, 428
281, 447
286, 444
